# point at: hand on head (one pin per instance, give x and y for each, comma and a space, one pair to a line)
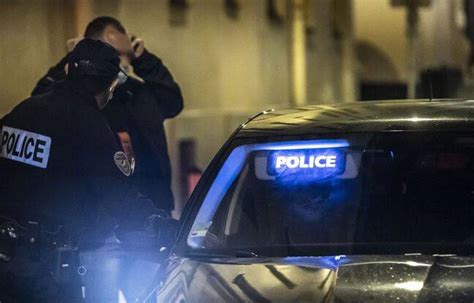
138, 46
110, 31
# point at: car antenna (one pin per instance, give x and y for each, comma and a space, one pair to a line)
431, 85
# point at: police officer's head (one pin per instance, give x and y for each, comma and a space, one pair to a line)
111, 31
96, 66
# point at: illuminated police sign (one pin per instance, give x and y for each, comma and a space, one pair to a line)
306, 162
318, 163
25, 147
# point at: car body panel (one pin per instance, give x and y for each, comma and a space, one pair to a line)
325, 279
363, 116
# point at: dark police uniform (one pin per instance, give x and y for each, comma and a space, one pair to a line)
138, 111
59, 158
60, 167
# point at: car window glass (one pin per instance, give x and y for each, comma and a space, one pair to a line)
382, 188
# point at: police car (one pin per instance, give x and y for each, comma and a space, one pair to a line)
363, 202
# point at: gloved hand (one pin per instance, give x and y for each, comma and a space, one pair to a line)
159, 233
162, 228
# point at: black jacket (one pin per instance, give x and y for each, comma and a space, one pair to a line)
56, 170
141, 110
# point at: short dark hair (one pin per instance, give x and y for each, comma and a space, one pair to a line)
96, 27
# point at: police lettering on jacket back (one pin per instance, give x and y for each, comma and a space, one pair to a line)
24, 146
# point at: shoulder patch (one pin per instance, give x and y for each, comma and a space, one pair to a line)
122, 163
24, 146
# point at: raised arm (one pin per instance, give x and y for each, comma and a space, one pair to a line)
160, 81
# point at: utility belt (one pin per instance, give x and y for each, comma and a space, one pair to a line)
31, 240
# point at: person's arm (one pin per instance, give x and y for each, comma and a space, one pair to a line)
155, 74
54, 74
99, 160
120, 198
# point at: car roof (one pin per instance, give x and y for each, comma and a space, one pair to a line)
367, 116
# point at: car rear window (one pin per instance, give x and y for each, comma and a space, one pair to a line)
374, 189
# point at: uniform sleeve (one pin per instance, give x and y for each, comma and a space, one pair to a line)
158, 78
54, 74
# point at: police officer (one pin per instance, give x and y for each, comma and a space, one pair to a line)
139, 110
63, 179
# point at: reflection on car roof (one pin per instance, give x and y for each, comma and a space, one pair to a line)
394, 115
